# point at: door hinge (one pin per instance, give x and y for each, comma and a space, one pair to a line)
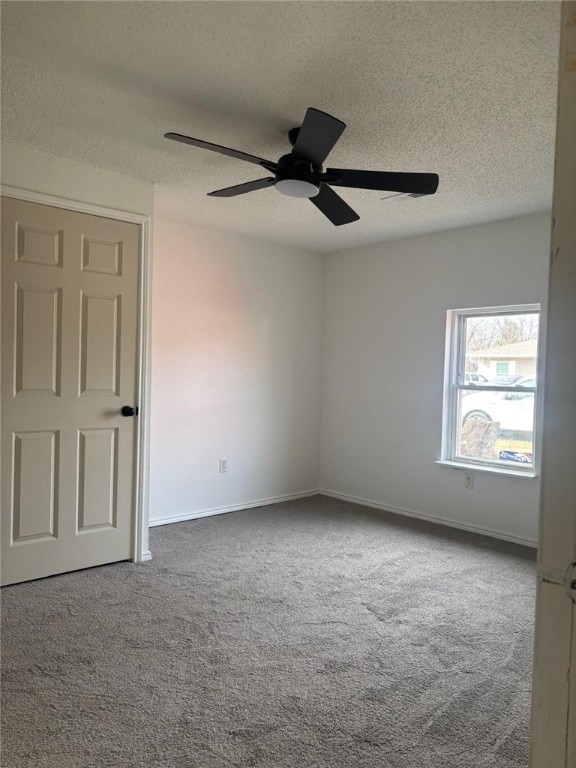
571, 581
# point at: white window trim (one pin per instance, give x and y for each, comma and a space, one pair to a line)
480, 467
452, 363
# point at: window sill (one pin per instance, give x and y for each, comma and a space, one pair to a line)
528, 473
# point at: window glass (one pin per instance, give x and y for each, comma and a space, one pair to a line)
496, 427
495, 353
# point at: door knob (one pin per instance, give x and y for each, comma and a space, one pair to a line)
128, 410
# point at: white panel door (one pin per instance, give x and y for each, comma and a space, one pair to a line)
69, 365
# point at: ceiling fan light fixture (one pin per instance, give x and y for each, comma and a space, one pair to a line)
297, 188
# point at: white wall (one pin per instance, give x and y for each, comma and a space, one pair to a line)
385, 320
236, 364
50, 175
237, 351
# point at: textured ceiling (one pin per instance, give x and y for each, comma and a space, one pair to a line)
465, 89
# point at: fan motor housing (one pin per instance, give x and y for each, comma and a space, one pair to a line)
293, 167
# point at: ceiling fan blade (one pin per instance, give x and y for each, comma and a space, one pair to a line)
333, 207
318, 134
222, 150
241, 189
385, 181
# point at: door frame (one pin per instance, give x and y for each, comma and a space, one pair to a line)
140, 549
553, 729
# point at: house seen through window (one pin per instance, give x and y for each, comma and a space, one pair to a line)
491, 381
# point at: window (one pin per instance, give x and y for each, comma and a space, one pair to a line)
490, 388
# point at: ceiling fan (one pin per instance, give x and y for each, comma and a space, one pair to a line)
300, 172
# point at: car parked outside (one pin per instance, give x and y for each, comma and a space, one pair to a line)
513, 410
505, 380
474, 378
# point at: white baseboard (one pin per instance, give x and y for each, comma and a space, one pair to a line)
147, 555
344, 497
234, 508
429, 518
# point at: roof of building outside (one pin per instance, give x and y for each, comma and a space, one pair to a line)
517, 349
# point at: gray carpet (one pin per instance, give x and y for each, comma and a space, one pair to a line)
312, 634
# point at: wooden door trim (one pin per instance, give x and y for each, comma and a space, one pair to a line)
140, 550
553, 734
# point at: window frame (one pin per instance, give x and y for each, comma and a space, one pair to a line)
454, 374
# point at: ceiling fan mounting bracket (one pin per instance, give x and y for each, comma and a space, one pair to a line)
293, 135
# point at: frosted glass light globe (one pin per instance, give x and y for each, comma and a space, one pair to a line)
297, 188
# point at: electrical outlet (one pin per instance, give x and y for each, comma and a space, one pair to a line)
469, 480
223, 466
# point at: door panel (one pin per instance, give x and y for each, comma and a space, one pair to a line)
97, 478
35, 503
101, 344
38, 246
69, 364
102, 256
37, 340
